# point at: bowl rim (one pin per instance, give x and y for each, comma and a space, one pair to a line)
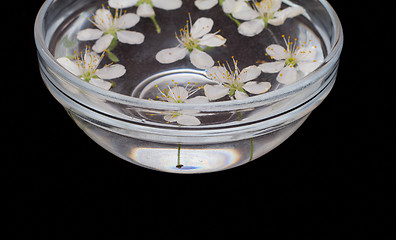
254, 101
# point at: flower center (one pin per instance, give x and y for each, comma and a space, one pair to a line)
295, 51
186, 39
171, 96
233, 80
191, 44
236, 84
291, 61
87, 76
88, 63
263, 8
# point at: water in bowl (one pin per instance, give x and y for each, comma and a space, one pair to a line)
145, 75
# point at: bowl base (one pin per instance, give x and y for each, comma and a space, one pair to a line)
186, 158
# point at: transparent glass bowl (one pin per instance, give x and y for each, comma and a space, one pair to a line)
233, 133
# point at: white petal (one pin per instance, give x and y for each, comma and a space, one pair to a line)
249, 73
212, 40
308, 67
89, 34
281, 16
171, 55
103, 43
276, 5
127, 21
188, 120
100, 83
122, 3
257, 88
197, 100
251, 28
277, 52
103, 19
201, 59
272, 67
229, 6
69, 65
130, 37
201, 27
243, 11
305, 54
91, 60
145, 10
277, 21
205, 4
240, 95
167, 4
287, 75
171, 117
178, 93
111, 71
219, 74
214, 92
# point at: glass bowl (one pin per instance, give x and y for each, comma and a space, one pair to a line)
131, 123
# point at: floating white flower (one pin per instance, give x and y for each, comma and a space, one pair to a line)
266, 12
292, 60
234, 83
191, 39
145, 7
111, 29
86, 68
181, 95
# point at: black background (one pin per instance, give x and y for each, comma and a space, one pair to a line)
333, 175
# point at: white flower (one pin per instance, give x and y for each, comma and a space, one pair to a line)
180, 95
86, 68
266, 12
110, 28
192, 38
145, 7
292, 60
234, 83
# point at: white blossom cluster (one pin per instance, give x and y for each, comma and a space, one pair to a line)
111, 26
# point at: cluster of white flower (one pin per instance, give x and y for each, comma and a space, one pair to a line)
292, 61
256, 14
111, 29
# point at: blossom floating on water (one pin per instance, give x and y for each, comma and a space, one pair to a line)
234, 83
181, 95
266, 12
292, 60
86, 68
191, 40
146, 7
110, 29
